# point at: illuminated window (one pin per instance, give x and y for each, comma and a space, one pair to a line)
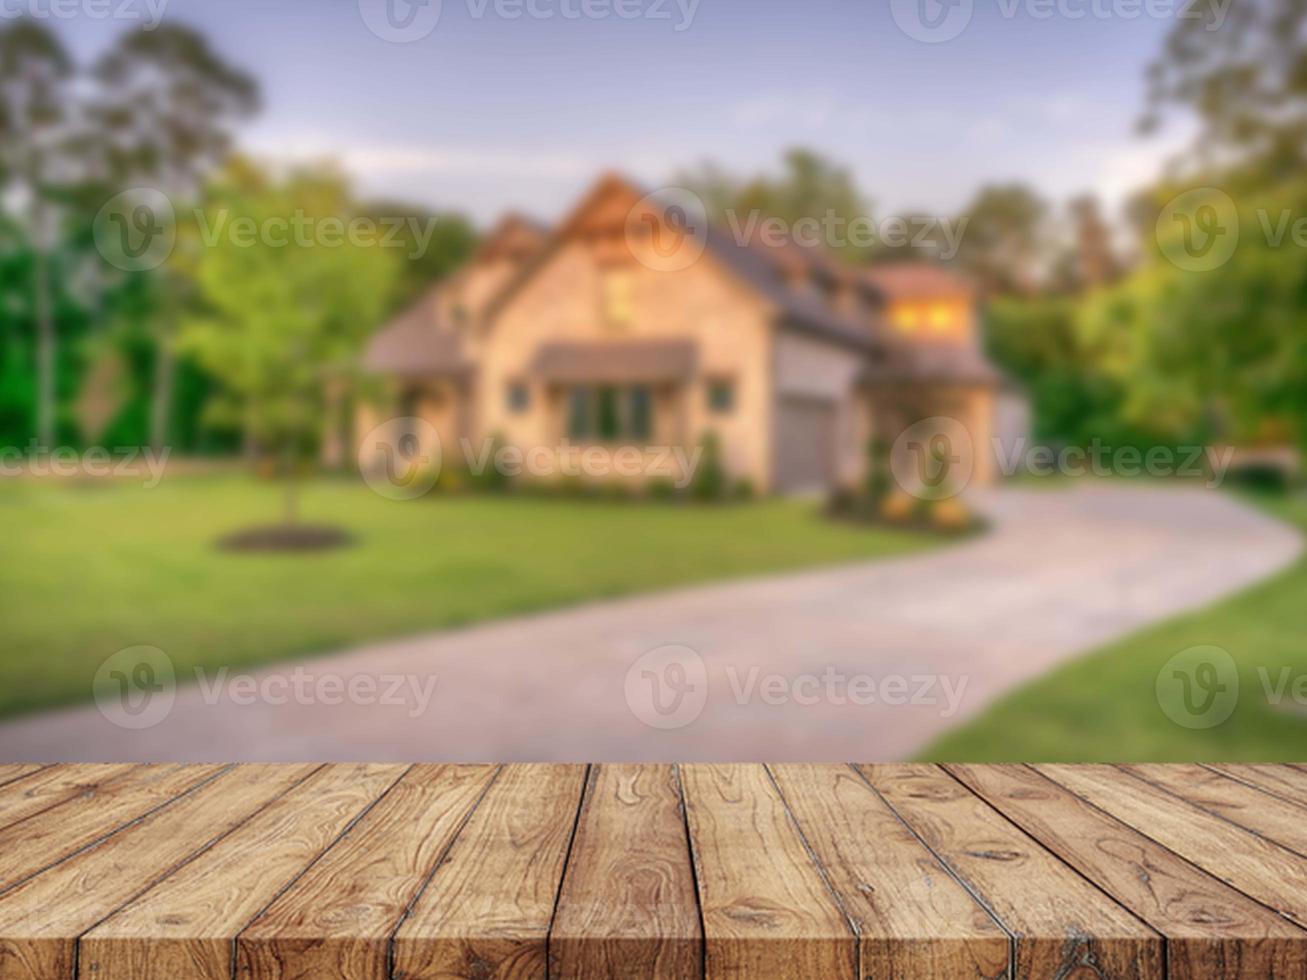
618, 287
942, 318
906, 318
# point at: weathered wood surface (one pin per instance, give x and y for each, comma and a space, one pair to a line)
789, 871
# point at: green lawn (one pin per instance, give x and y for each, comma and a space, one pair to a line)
89, 569
1104, 707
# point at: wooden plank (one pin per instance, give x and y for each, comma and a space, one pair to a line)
1062, 924
487, 910
22, 798
1268, 872
915, 922
337, 919
50, 835
767, 912
1286, 782
1259, 811
41, 919
1211, 929
186, 925
11, 771
627, 906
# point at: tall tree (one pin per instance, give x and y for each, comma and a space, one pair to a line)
1241, 68
35, 74
168, 107
1005, 236
280, 317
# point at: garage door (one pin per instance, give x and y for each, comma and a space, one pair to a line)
805, 442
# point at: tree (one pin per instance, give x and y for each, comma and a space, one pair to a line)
425, 260
279, 317
809, 186
1005, 236
165, 117
1241, 68
34, 77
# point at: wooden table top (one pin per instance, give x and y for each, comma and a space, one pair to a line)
787, 871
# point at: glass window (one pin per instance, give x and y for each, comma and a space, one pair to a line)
617, 286
639, 416
519, 397
609, 419
578, 413
721, 396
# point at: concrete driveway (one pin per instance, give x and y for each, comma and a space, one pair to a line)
864, 662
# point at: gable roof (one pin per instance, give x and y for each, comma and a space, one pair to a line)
417, 342
918, 280
763, 269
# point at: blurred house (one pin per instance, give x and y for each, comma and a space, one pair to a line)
600, 333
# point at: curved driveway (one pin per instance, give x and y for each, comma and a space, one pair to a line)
864, 662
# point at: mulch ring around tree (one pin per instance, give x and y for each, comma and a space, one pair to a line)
286, 538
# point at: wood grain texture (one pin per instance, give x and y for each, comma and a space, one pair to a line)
97, 808
1211, 929
788, 871
337, 919
1268, 872
1062, 924
10, 771
627, 907
186, 925
767, 912
1259, 811
915, 921
41, 919
21, 798
1287, 782
487, 910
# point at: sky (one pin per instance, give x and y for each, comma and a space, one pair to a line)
489, 111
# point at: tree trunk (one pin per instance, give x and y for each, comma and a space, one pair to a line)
291, 494
45, 350
165, 373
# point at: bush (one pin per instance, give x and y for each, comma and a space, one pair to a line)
660, 488
1262, 476
709, 482
744, 489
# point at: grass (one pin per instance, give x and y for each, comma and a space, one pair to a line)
88, 569
1104, 706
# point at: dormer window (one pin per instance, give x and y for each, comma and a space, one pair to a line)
617, 300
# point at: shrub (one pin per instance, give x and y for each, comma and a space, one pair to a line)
709, 481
